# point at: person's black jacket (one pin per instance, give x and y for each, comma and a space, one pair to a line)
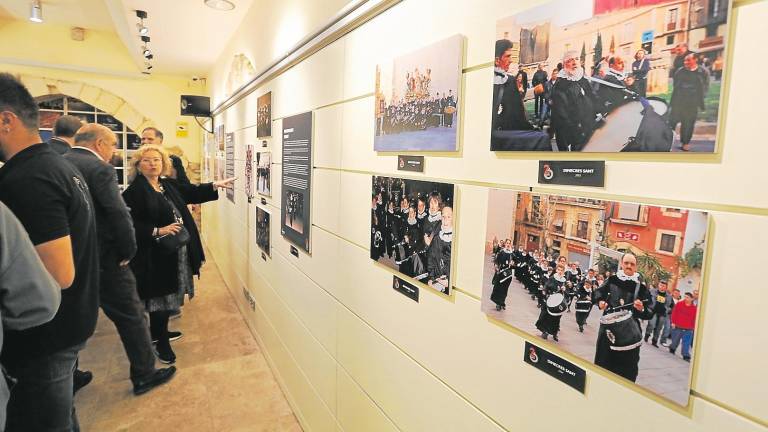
117, 241
617, 292
59, 145
573, 112
539, 77
155, 269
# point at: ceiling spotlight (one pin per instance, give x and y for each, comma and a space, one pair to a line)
141, 14
146, 52
145, 39
143, 30
222, 5
149, 57
36, 11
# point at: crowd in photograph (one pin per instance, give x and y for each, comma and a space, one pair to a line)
559, 287
75, 244
419, 109
571, 102
415, 231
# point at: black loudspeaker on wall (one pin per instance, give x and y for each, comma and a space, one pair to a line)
198, 106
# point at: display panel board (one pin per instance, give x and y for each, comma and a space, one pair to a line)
412, 229
297, 179
615, 283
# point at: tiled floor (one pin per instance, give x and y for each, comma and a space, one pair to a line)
223, 382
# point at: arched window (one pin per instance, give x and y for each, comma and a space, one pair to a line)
54, 106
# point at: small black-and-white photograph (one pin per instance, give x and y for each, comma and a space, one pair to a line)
264, 173
294, 210
412, 228
262, 229
264, 116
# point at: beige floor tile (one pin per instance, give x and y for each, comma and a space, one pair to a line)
223, 383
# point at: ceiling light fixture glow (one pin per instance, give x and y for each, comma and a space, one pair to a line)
36, 11
143, 30
222, 5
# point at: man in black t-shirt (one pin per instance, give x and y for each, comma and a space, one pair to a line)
52, 201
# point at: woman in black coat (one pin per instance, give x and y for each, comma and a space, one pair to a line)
159, 208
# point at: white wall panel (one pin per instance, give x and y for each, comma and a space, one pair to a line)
440, 364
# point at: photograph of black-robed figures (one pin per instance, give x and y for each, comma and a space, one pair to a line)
608, 76
294, 210
264, 116
262, 230
264, 173
615, 283
417, 100
412, 228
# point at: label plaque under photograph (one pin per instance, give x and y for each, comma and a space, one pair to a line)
410, 163
405, 288
555, 366
572, 173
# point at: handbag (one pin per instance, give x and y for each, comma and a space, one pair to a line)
172, 242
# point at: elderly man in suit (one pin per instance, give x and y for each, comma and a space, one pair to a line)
94, 145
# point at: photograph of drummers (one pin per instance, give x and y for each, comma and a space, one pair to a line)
554, 290
412, 229
624, 300
568, 270
630, 76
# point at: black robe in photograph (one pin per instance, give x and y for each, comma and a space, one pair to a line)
500, 288
508, 109
548, 323
617, 292
573, 112
439, 256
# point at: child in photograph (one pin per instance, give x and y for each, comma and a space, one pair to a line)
504, 266
548, 323
439, 252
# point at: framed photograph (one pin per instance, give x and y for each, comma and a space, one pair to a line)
262, 230
417, 99
264, 173
615, 283
412, 229
264, 116
608, 76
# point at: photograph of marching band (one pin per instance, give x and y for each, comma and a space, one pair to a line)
263, 173
610, 76
294, 210
262, 230
417, 99
614, 283
264, 116
412, 229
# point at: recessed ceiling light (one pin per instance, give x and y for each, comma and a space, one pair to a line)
143, 30
222, 5
36, 11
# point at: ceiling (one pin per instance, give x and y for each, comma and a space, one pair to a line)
186, 36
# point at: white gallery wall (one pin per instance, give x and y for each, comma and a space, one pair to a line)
353, 355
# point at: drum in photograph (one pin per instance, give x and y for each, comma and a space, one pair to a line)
622, 123
622, 330
538, 90
556, 304
449, 110
583, 305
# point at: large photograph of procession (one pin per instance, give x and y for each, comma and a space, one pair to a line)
615, 283
412, 229
610, 76
417, 99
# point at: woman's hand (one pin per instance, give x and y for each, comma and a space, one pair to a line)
221, 184
171, 229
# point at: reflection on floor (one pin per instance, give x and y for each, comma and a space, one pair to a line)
223, 382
